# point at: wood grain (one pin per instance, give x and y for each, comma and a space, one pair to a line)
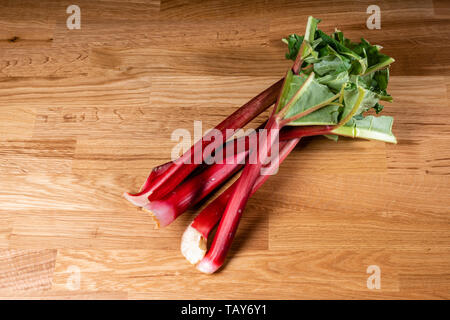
85, 114
26, 269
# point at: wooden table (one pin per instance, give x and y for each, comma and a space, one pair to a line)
84, 115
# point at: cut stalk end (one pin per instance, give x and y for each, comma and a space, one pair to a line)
162, 213
193, 245
207, 266
138, 200
154, 218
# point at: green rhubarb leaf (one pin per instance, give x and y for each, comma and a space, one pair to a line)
381, 77
331, 64
337, 46
339, 36
359, 64
369, 101
327, 115
385, 97
376, 82
375, 59
334, 81
290, 92
306, 43
358, 100
367, 82
290, 83
314, 96
309, 44
378, 108
384, 62
353, 96
345, 80
305, 96
294, 42
370, 127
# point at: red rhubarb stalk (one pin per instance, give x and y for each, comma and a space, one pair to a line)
194, 240
210, 216
195, 237
236, 203
304, 131
168, 208
140, 199
179, 169
193, 190
229, 222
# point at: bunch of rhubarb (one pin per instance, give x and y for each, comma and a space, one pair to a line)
331, 90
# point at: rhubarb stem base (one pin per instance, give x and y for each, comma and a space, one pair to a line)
138, 201
208, 266
193, 245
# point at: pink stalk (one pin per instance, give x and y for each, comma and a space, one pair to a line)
194, 240
193, 190
210, 216
198, 186
304, 131
195, 237
169, 207
229, 222
298, 62
157, 171
140, 199
237, 201
179, 169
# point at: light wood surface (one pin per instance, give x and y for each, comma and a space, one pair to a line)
84, 115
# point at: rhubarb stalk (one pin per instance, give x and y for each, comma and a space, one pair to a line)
241, 193
140, 199
195, 237
236, 204
330, 87
193, 190
179, 169
194, 240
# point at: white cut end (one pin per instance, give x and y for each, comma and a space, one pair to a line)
138, 201
154, 218
206, 266
193, 245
